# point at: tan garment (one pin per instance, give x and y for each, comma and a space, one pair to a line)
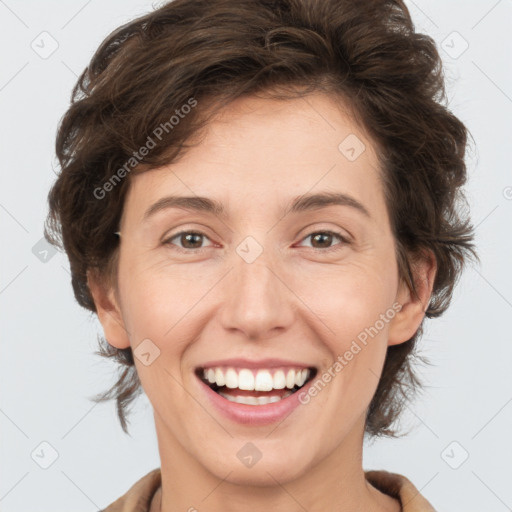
138, 497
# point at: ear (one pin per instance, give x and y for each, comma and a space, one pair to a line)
108, 311
407, 321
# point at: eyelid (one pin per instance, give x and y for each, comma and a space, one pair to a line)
187, 228
335, 230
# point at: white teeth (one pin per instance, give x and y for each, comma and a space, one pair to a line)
246, 380
290, 379
253, 400
300, 377
219, 377
263, 400
231, 379
279, 380
261, 380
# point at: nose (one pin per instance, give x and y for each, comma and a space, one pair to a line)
258, 301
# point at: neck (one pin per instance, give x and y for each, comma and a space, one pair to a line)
337, 483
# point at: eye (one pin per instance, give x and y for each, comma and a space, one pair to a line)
325, 238
190, 239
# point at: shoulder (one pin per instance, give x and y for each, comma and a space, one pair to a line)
400, 487
138, 497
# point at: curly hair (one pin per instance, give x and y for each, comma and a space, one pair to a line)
366, 53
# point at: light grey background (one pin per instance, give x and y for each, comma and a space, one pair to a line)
47, 366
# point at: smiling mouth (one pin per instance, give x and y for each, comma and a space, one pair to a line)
255, 387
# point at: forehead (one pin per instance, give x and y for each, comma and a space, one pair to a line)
257, 152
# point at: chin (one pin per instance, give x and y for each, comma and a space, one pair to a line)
260, 462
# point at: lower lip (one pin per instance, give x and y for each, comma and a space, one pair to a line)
254, 414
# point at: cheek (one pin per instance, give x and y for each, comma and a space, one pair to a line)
158, 298
167, 307
347, 299
351, 316
160, 308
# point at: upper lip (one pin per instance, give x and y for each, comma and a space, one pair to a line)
255, 364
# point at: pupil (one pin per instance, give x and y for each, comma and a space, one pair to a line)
321, 235
191, 235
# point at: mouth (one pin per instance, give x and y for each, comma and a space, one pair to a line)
255, 386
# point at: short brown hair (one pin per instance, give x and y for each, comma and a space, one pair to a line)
364, 52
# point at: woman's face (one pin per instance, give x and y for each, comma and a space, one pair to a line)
263, 294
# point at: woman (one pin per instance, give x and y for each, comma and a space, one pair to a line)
259, 200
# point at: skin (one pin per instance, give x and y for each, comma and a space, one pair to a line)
295, 301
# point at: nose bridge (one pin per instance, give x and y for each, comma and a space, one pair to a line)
256, 299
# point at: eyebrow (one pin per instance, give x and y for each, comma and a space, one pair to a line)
299, 204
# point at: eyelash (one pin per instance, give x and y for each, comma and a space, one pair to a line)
344, 240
